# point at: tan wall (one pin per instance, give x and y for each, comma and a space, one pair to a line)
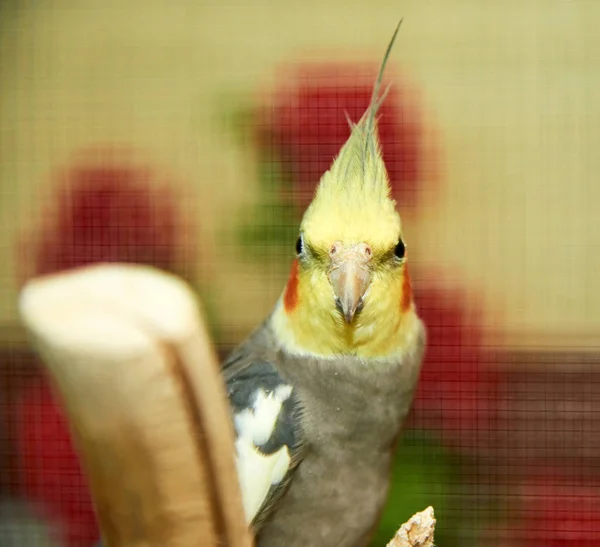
512, 88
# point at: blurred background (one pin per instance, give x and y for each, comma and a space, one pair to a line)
190, 135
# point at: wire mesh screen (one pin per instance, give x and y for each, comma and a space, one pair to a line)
191, 137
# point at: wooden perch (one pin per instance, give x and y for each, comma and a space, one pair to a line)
129, 357
417, 531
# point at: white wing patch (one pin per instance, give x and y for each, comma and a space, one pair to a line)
257, 472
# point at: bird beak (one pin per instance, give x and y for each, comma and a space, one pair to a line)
350, 277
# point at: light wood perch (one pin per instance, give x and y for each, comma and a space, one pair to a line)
416, 531
130, 359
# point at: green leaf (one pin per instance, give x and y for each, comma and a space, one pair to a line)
210, 309
237, 117
270, 230
270, 233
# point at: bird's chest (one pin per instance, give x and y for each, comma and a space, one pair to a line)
332, 501
340, 487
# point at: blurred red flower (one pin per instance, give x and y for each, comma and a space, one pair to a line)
106, 208
560, 510
307, 126
50, 474
458, 391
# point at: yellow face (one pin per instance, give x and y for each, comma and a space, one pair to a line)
347, 295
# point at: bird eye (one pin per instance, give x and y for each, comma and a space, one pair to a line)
400, 249
299, 245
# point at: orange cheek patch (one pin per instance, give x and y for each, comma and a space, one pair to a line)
406, 297
290, 297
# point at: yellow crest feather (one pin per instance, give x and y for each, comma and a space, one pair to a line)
353, 201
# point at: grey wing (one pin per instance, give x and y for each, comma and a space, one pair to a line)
266, 415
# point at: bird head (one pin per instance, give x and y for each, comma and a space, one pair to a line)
349, 290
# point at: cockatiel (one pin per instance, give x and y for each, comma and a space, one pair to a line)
320, 390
